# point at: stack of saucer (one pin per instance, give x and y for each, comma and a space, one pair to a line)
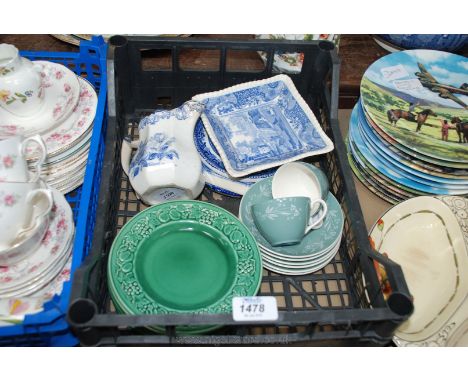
316, 249
63, 116
34, 274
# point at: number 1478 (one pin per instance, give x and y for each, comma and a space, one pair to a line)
252, 308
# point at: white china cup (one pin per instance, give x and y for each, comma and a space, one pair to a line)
13, 164
23, 206
301, 179
20, 83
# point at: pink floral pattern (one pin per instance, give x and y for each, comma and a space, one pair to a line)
53, 247
84, 113
7, 162
20, 306
8, 200
59, 88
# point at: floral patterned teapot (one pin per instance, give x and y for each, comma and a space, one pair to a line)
166, 165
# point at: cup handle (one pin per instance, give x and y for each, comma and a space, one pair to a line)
29, 217
126, 153
318, 221
40, 161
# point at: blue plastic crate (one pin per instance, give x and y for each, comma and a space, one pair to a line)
49, 327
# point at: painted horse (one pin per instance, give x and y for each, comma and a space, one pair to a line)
394, 115
462, 129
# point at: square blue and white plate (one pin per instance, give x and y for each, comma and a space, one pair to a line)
261, 124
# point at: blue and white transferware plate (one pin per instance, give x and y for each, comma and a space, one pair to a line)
261, 124
214, 170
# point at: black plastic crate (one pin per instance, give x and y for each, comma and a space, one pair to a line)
330, 306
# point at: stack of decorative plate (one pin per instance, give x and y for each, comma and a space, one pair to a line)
26, 285
64, 121
408, 135
428, 238
397, 42
316, 249
249, 129
182, 257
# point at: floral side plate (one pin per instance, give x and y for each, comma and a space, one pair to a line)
29, 273
424, 236
70, 132
13, 310
261, 124
61, 91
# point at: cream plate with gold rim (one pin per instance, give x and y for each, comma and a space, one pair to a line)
423, 235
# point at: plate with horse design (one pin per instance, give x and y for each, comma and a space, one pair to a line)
420, 99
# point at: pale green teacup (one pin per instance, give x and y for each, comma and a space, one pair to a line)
285, 221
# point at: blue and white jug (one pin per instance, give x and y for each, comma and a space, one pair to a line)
166, 165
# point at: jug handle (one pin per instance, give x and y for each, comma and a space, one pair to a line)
126, 153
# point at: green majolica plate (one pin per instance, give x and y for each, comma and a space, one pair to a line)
183, 257
315, 242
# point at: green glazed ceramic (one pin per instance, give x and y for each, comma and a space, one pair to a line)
183, 257
282, 221
290, 270
314, 244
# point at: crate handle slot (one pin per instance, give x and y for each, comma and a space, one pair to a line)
81, 311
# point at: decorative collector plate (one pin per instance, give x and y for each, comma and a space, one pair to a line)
261, 124
396, 173
409, 94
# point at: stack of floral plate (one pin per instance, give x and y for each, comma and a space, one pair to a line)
64, 120
26, 285
250, 129
316, 249
408, 135
182, 257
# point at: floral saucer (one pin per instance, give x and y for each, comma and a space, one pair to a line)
53, 248
262, 124
14, 309
69, 133
60, 89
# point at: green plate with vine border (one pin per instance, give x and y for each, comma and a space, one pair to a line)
183, 257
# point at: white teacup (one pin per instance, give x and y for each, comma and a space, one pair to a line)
20, 83
22, 206
13, 164
301, 179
